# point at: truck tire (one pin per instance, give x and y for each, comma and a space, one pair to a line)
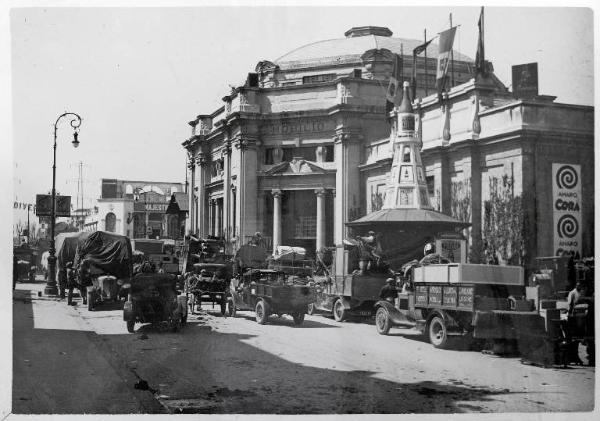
339, 312
130, 326
262, 312
298, 318
438, 333
382, 321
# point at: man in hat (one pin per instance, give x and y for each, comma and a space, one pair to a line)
389, 292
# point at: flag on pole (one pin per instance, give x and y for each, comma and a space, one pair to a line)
418, 50
480, 55
394, 90
446, 42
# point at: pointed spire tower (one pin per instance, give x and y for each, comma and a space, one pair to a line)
406, 187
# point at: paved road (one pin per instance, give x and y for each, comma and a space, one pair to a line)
234, 365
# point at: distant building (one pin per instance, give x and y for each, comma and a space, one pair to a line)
143, 209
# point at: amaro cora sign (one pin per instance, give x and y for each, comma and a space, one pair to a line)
566, 203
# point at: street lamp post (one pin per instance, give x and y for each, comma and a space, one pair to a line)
51, 288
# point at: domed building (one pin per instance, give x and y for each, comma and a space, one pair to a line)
303, 147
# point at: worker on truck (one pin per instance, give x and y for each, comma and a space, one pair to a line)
431, 257
389, 292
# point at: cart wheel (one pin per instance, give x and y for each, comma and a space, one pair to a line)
90, 301
262, 312
231, 311
339, 312
298, 318
382, 321
311, 309
438, 334
130, 326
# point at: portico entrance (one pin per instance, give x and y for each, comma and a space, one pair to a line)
300, 218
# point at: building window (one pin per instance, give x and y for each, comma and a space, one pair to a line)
406, 154
305, 227
319, 78
329, 157
110, 222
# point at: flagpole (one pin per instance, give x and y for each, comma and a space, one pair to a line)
426, 74
401, 63
451, 60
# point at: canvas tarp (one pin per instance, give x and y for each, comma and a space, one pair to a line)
66, 245
108, 252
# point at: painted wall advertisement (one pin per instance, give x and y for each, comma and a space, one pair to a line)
567, 203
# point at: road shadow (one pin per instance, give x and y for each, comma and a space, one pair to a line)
67, 371
240, 378
286, 320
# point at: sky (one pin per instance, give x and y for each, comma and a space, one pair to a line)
138, 75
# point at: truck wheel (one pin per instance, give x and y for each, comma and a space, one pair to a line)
90, 301
438, 334
261, 311
130, 326
311, 309
339, 312
298, 318
382, 321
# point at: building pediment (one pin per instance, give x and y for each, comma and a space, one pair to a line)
296, 167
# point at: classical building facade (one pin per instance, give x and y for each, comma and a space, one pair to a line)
143, 209
304, 146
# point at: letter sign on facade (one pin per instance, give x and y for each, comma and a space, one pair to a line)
566, 208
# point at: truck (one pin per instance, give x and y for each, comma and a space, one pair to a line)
344, 291
476, 302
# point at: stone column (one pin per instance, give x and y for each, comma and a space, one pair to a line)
320, 218
218, 217
191, 225
276, 218
246, 146
347, 202
201, 226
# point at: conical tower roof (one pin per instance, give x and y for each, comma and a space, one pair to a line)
406, 200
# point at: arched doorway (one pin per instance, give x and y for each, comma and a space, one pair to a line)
110, 222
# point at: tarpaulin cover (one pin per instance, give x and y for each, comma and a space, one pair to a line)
249, 256
66, 245
111, 253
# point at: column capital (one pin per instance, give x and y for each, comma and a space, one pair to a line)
200, 159
320, 192
277, 193
347, 137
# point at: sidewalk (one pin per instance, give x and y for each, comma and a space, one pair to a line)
60, 366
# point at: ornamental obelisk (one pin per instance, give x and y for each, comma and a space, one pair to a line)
406, 187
